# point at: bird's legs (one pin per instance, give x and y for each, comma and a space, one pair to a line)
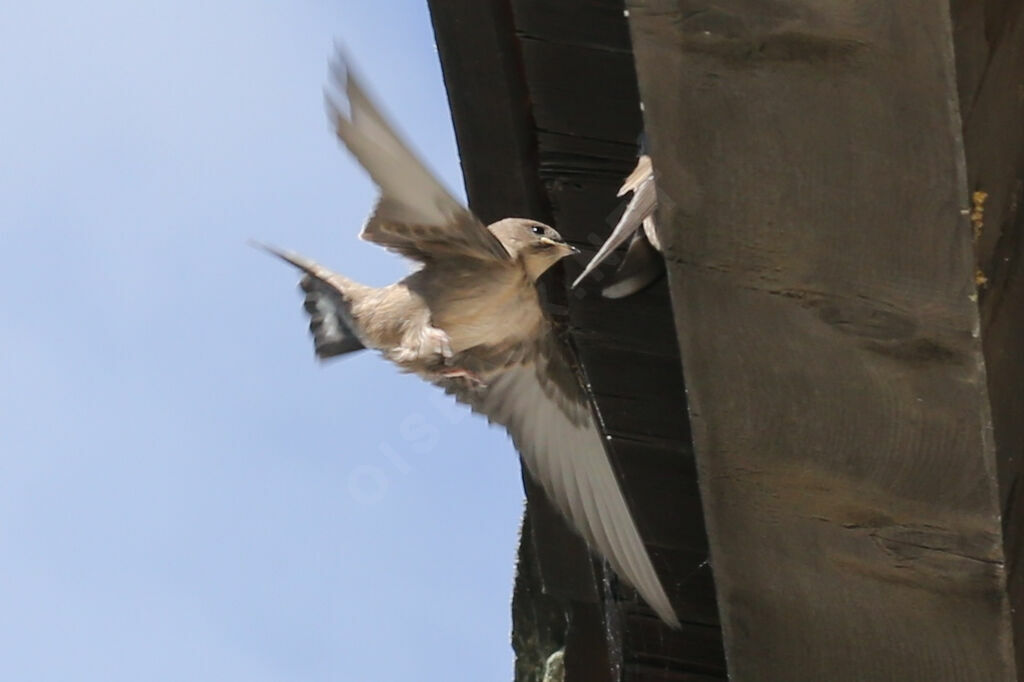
424, 343
434, 341
472, 379
431, 343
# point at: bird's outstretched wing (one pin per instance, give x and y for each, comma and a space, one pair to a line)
541, 404
639, 211
415, 215
641, 265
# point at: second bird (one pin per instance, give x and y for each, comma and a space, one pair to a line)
643, 263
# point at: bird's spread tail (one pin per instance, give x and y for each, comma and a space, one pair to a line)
332, 334
326, 304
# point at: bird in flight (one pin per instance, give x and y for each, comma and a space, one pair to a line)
469, 320
642, 263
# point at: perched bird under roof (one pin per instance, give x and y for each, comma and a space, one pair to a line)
470, 321
643, 263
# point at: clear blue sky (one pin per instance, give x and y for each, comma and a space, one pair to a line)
185, 494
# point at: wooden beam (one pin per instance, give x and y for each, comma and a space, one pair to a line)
814, 209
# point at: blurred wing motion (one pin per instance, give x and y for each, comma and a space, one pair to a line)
415, 215
641, 265
544, 409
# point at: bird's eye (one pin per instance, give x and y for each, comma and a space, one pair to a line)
537, 230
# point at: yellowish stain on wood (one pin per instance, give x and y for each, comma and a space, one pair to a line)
978, 199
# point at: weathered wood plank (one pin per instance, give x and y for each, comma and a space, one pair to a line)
594, 23
671, 498
587, 654
812, 193
648, 331
583, 91
691, 587
642, 673
693, 646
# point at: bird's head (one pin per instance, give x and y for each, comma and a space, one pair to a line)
535, 244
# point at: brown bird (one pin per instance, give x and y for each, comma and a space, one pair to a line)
470, 321
642, 263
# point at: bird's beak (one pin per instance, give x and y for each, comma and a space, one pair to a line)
547, 241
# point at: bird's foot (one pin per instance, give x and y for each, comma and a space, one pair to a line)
434, 341
427, 344
472, 379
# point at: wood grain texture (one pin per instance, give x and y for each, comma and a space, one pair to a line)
813, 198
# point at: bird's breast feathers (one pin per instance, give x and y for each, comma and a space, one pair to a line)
496, 310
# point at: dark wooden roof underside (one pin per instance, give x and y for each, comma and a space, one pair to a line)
547, 116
